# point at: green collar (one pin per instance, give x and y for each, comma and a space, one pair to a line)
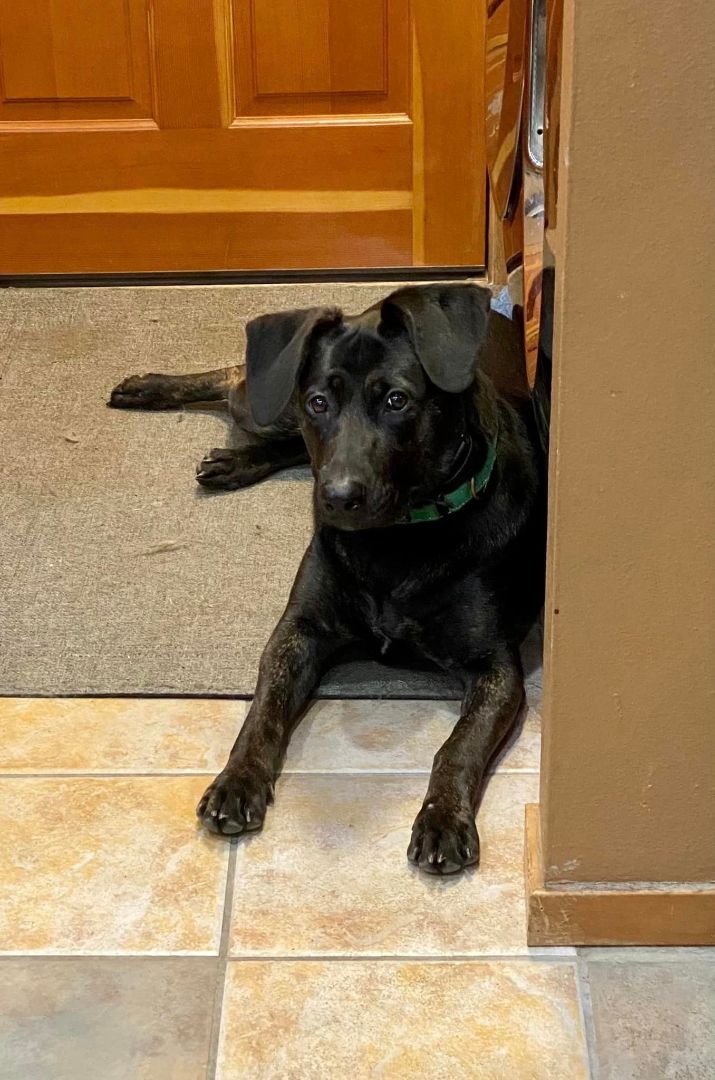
459, 497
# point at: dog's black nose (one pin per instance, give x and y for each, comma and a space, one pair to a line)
344, 495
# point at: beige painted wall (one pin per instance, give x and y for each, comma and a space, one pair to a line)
628, 788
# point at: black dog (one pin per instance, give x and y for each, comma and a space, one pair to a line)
429, 525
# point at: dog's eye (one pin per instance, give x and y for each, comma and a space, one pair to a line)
396, 400
318, 403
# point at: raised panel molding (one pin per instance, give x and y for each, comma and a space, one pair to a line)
293, 59
65, 61
69, 50
320, 47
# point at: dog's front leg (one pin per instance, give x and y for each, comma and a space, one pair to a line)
291, 665
444, 836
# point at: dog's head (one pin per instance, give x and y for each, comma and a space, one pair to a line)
382, 397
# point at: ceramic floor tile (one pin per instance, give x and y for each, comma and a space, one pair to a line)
389, 736
299, 1020
125, 735
46, 735
108, 866
662, 954
329, 875
111, 1018
653, 1018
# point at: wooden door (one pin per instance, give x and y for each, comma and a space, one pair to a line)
141, 135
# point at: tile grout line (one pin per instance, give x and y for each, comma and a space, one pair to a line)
394, 958
402, 958
71, 957
165, 773
583, 990
212, 1061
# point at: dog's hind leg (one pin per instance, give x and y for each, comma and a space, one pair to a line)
257, 451
154, 391
251, 460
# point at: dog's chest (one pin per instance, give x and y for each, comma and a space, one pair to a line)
388, 625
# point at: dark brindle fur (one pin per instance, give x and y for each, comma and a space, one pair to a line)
391, 407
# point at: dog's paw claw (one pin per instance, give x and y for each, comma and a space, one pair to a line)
443, 842
235, 802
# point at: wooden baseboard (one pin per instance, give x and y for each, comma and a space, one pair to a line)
599, 915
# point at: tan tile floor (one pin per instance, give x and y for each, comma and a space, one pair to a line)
133, 945
328, 876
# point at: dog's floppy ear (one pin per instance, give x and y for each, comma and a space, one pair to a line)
275, 350
447, 325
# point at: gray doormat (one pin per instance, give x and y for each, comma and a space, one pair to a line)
118, 574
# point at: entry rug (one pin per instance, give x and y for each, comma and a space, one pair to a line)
118, 574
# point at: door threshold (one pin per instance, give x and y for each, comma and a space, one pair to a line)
241, 277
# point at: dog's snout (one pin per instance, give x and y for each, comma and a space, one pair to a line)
344, 495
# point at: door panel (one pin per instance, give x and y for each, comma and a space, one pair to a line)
74, 59
338, 59
334, 48
240, 134
251, 241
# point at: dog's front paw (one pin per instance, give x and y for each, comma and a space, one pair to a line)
236, 801
443, 841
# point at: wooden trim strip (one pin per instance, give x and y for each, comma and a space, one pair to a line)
418, 156
210, 201
603, 914
327, 120
52, 127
